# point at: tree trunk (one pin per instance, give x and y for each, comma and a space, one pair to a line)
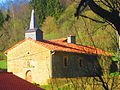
113, 16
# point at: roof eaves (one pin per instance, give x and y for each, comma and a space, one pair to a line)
14, 46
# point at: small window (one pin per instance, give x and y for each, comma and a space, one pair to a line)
65, 61
80, 63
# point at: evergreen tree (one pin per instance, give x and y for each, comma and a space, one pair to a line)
45, 8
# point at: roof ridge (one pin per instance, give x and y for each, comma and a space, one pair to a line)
64, 46
60, 39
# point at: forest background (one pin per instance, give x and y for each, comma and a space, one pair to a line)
56, 19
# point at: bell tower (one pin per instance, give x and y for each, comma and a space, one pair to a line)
34, 32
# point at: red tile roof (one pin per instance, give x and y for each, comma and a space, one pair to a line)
9, 81
62, 40
59, 45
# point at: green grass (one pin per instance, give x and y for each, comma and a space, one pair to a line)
46, 87
3, 64
87, 83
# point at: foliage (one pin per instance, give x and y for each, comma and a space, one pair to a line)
36, 84
105, 63
49, 25
2, 56
83, 83
57, 24
110, 15
111, 4
114, 74
13, 29
46, 8
1, 18
116, 56
86, 31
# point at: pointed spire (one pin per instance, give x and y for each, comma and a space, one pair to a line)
33, 22
34, 32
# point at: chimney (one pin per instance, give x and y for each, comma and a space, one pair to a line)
71, 39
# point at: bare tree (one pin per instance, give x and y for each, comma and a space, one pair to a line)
112, 15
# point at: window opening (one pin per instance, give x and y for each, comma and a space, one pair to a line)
65, 61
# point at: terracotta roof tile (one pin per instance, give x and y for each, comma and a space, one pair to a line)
59, 45
9, 81
15, 46
61, 40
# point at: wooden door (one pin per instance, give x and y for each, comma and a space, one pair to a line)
29, 76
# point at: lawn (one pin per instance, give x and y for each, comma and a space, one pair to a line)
3, 64
83, 83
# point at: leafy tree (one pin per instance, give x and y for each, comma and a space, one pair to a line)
66, 3
46, 8
103, 35
40, 6
1, 18
16, 22
49, 25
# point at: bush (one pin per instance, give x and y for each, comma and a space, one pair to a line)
114, 74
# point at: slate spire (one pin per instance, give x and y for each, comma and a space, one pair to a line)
33, 21
34, 32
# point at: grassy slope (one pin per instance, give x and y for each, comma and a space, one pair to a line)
3, 64
83, 83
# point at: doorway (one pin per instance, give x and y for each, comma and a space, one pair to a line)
29, 76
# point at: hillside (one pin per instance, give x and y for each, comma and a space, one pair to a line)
87, 32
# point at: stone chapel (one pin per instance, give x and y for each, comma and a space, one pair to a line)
37, 60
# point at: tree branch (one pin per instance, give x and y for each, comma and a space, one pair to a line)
92, 19
113, 16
